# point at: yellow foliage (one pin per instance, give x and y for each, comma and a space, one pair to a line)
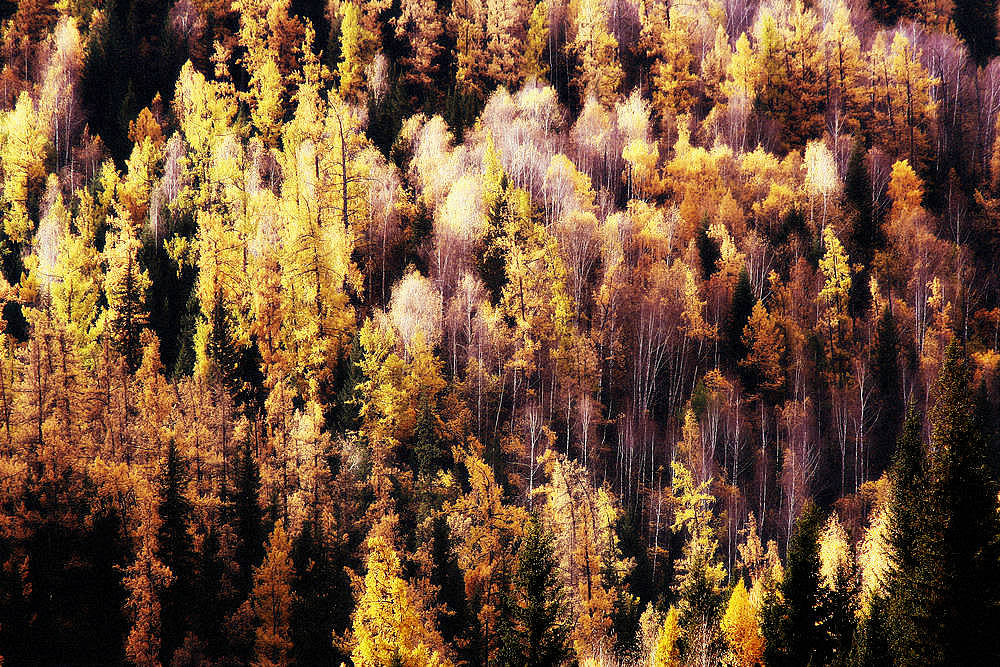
667, 652
742, 629
272, 602
388, 625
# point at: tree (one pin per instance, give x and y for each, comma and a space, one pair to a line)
125, 286
795, 626
388, 625
273, 600
596, 50
742, 630
536, 44
666, 652
906, 506
420, 25
484, 531
589, 560
176, 551
249, 518
665, 43
833, 299
540, 632
700, 576
888, 399
322, 602
506, 22
976, 22
866, 234
764, 343
901, 89
355, 41
467, 22
739, 313
838, 576
22, 143
845, 67
959, 529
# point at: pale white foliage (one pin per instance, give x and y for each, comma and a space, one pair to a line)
416, 311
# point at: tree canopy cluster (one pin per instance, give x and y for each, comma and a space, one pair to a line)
599, 332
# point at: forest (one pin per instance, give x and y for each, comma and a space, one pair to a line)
612, 333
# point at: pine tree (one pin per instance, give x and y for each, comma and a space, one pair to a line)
738, 315
976, 22
959, 530
906, 507
176, 551
866, 231
871, 640
887, 400
540, 632
795, 627
321, 604
125, 286
708, 250
249, 517
427, 443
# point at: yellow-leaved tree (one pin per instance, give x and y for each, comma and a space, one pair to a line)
272, 601
700, 575
741, 627
666, 652
596, 49
389, 627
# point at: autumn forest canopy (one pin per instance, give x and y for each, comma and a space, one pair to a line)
446, 333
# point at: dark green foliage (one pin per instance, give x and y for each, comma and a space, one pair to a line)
168, 299
871, 640
71, 598
959, 565
887, 398
345, 414
866, 234
906, 501
132, 57
537, 631
322, 599
461, 110
453, 620
796, 629
235, 366
708, 249
841, 617
976, 23
943, 587
492, 262
736, 320
386, 117
638, 583
889, 12
215, 599
249, 518
175, 550
427, 444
